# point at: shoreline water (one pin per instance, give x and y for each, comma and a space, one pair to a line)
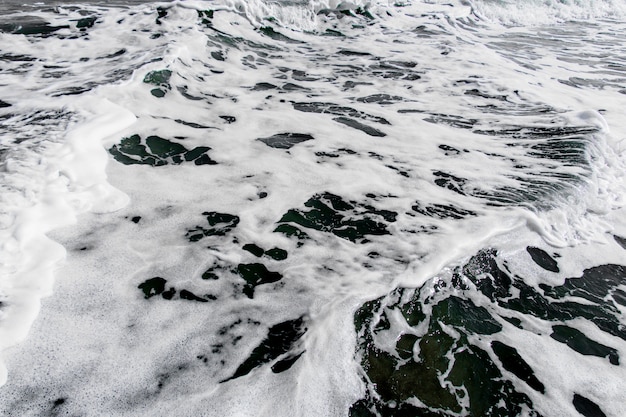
254, 253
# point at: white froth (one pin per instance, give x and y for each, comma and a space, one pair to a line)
540, 12
105, 340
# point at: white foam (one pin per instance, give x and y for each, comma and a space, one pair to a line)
75, 183
100, 322
540, 12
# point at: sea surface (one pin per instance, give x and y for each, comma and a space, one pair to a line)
313, 208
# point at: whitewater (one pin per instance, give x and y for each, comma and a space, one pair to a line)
313, 208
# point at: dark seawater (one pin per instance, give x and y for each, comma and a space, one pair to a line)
312, 209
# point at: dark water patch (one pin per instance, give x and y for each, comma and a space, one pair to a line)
351, 84
513, 362
326, 155
619, 297
226, 41
380, 99
586, 407
440, 368
555, 135
331, 32
450, 182
517, 109
554, 304
543, 259
192, 124
514, 321
285, 140
539, 193
158, 151
578, 82
450, 150
114, 54
330, 108
156, 286
161, 14
264, 87
443, 211
342, 12
446, 372
29, 25
276, 254
159, 78
153, 286
620, 240
285, 364
348, 52
292, 231
158, 92
594, 285
4, 104
136, 219
277, 36
477, 93
570, 152
399, 171
218, 55
169, 294
58, 407
281, 338
221, 224
348, 220
401, 64
183, 90
424, 32
303, 76
359, 11
17, 58
206, 17
188, 295
229, 119
465, 314
58, 402
254, 249
485, 272
360, 126
580, 343
210, 274
395, 70
86, 22
256, 274
294, 87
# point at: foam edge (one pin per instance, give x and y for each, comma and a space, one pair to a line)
76, 183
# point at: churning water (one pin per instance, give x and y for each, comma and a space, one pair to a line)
313, 208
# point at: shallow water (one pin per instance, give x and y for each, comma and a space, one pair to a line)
313, 209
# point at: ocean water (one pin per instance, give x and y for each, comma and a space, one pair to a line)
313, 208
